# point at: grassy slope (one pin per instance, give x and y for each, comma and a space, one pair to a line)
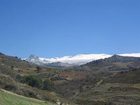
9, 98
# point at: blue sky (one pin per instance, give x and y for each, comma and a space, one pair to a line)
52, 28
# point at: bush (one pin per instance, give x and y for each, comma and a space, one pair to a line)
33, 81
6, 82
48, 84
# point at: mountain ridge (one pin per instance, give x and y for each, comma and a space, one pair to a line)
113, 63
75, 60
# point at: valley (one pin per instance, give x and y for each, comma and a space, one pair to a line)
111, 81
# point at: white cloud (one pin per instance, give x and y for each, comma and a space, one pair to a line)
77, 59
131, 54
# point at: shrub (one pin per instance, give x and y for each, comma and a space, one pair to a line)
33, 81
6, 82
48, 84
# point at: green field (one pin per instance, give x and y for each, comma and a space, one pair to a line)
9, 98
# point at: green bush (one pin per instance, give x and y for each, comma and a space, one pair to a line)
33, 81
48, 84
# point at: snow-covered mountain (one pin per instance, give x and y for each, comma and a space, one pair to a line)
73, 60
68, 60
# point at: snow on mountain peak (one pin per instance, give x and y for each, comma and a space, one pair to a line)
75, 60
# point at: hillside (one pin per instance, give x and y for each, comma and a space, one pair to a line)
110, 81
9, 98
114, 63
20, 77
120, 88
29, 80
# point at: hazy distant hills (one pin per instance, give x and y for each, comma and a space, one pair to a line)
68, 61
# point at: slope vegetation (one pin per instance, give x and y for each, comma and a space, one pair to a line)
9, 98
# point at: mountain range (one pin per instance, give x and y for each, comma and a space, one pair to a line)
107, 81
76, 60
